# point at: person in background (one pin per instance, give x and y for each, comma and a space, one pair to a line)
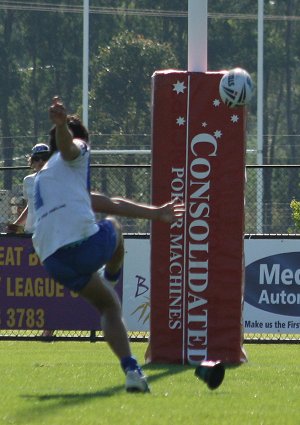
40, 153
70, 243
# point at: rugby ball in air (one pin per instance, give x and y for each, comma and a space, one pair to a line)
236, 88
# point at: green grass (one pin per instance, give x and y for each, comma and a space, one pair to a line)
70, 383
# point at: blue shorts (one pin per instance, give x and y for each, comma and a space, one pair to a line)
74, 264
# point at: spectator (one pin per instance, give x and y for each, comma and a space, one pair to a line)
40, 154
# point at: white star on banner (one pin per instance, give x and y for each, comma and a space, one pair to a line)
234, 118
218, 134
180, 121
204, 124
216, 102
179, 87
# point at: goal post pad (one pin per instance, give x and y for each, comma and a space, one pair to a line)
197, 268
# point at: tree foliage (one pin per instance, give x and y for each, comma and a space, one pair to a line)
41, 56
122, 82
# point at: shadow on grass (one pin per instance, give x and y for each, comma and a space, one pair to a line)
64, 400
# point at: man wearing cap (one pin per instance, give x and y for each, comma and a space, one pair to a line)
40, 154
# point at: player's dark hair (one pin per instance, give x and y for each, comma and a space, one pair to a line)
77, 128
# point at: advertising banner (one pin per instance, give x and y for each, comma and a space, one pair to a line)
30, 299
197, 263
272, 291
136, 284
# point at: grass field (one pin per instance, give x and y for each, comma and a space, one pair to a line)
70, 383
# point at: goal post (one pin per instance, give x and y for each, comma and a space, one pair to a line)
197, 268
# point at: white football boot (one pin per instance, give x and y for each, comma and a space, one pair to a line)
136, 382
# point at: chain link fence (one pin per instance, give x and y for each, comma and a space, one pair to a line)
269, 192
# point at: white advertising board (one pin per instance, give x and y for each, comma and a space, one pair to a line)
272, 285
136, 284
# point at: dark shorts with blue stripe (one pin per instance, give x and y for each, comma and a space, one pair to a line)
73, 264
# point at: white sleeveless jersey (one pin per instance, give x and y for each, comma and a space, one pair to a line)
62, 203
28, 187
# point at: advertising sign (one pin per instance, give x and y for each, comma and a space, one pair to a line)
30, 299
272, 290
136, 284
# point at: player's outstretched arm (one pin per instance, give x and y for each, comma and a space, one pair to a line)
167, 213
64, 138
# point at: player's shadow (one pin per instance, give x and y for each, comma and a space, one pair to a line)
64, 400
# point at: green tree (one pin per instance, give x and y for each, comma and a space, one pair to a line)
8, 85
121, 94
121, 83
